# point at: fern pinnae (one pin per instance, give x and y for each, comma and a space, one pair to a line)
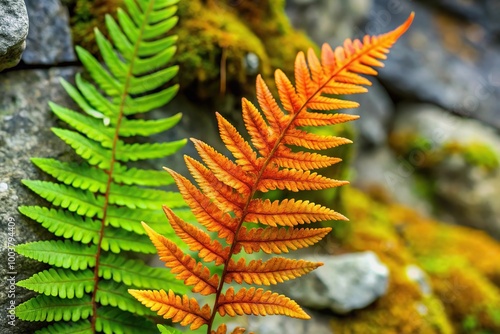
97, 204
227, 202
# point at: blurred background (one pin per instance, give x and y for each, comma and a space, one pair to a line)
420, 253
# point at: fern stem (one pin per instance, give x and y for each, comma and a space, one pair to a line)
116, 136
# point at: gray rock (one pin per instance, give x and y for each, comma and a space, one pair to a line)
344, 283
482, 12
417, 275
376, 110
318, 324
458, 73
328, 21
467, 193
380, 171
13, 32
25, 122
49, 37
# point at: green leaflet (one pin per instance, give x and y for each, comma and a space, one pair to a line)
113, 320
48, 308
116, 295
79, 327
64, 283
96, 205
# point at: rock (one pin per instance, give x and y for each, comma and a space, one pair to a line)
482, 12
318, 324
389, 177
328, 21
13, 32
467, 190
49, 37
376, 110
417, 275
25, 122
441, 59
344, 283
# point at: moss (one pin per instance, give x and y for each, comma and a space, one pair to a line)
215, 38
414, 147
463, 266
404, 308
212, 38
87, 14
475, 154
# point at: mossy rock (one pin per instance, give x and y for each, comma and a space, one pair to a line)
222, 44
461, 265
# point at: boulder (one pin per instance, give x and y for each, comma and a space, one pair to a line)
279, 324
467, 179
25, 122
343, 284
442, 59
49, 38
13, 32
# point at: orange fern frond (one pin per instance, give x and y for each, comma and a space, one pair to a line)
222, 329
278, 154
257, 302
274, 271
187, 269
277, 240
170, 306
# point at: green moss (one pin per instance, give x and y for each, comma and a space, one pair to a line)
475, 154
212, 40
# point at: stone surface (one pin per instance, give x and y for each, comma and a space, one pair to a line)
344, 283
328, 21
318, 324
376, 110
49, 37
382, 173
13, 32
467, 193
25, 122
442, 59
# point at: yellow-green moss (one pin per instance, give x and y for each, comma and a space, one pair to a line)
463, 265
214, 38
207, 34
474, 153
87, 14
404, 308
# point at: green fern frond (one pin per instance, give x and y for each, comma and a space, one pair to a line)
97, 204
140, 127
77, 175
82, 202
141, 177
61, 282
